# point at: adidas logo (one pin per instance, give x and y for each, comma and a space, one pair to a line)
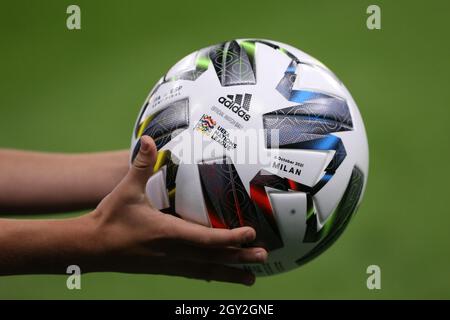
239, 104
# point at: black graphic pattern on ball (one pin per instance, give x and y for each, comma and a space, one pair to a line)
232, 64
229, 205
340, 218
308, 126
165, 124
310, 120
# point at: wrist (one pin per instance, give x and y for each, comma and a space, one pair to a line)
49, 246
90, 243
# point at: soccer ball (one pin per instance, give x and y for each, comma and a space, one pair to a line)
257, 133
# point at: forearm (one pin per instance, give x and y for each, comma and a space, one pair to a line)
125, 233
47, 246
44, 182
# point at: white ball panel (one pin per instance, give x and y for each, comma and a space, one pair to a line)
190, 204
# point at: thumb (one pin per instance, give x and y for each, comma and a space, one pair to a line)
142, 166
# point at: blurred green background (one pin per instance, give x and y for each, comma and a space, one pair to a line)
79, 91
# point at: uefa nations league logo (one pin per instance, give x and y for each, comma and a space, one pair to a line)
205, 125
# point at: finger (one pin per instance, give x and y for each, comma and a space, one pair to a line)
221, 255
205, 236
210, 272
142, 167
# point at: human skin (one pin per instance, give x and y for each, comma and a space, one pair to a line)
37, 182
124, 233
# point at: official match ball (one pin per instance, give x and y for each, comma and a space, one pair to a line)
257, 133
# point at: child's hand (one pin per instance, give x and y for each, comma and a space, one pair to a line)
132, 236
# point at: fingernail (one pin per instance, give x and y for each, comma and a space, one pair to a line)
261, 255
249, 236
